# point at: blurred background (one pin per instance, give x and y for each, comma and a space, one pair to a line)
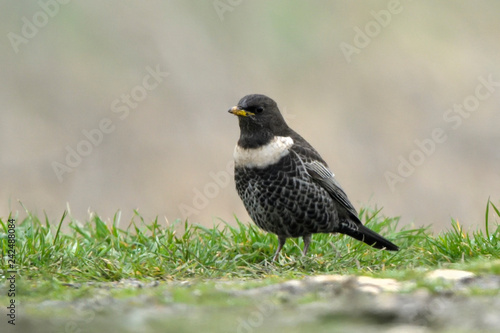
122, 105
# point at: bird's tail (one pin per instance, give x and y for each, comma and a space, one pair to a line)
370, 237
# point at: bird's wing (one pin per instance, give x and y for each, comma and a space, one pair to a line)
324, 177
318, 169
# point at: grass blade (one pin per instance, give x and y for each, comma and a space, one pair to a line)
59, 227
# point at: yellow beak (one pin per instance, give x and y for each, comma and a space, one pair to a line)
238, 112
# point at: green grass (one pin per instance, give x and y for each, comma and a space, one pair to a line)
96, 251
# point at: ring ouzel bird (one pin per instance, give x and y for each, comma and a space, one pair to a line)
285, 185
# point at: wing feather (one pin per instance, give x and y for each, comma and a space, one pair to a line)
324, 177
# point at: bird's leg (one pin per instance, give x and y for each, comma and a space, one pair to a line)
281, 240
307, 241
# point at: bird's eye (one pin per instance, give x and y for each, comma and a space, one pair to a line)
259, 109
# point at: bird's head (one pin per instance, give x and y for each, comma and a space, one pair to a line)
259, 118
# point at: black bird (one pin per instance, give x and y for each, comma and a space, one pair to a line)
285, 185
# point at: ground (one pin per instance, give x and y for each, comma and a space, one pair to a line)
437, 301
95, 276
